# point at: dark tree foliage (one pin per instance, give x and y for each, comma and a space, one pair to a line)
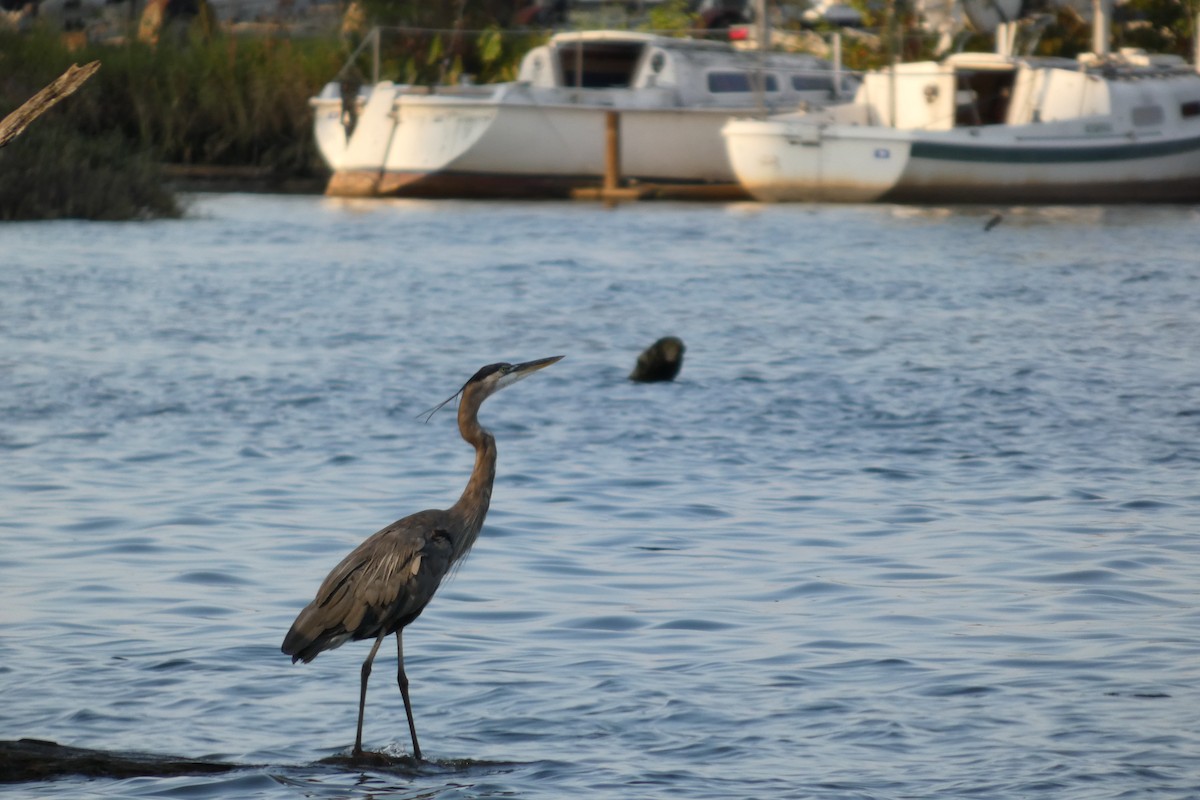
1157, 26
430, 43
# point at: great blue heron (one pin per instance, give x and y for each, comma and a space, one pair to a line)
387, 581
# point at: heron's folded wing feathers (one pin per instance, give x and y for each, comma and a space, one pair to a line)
383, 584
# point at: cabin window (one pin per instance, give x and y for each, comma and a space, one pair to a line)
606, 65
1190, 109
812, 83
726, 82
1148, 115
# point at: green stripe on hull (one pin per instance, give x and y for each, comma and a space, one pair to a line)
1068, 154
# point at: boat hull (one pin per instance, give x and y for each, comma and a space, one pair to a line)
781, 161
511, 144
1076, 171
438, 184
547, 133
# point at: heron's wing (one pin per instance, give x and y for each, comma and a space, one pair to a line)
382, 585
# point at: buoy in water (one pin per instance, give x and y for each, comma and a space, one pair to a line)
660, 361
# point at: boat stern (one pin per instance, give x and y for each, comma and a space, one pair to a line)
780, 160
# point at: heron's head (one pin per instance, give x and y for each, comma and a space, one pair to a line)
492, 378
495, 377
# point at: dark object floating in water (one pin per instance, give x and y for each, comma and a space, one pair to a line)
660, 361
39, 760
993, 222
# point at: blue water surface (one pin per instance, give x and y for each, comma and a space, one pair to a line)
918, 519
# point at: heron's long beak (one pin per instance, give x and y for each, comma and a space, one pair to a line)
534, 366
524, 370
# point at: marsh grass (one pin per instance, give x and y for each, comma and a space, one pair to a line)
54, 172
219, 101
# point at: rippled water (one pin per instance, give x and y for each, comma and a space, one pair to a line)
919, 518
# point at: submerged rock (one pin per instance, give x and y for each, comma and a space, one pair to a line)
38, 760
660, 361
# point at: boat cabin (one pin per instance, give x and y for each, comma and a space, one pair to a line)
979, 89
967, 89
696, 72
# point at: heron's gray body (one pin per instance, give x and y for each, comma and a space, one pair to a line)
382, 586
386, 582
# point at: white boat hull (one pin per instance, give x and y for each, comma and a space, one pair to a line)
785, 161
983, 128
510, 145
546, 133
779, 162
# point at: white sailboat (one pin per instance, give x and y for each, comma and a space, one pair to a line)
994, 128
544, 134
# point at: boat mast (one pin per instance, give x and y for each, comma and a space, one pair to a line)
891, 42
836, 43
764, 44
579, 61
1101, 26
764, 28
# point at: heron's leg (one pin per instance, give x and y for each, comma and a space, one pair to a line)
402, 679
362, 695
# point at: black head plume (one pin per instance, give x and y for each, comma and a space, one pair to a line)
478, 376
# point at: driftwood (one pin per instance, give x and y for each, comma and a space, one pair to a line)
37, 760
12, 126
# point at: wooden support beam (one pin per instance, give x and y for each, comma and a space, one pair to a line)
612, 150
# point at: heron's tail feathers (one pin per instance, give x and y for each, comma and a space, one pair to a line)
308, 638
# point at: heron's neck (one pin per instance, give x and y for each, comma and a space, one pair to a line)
472, 507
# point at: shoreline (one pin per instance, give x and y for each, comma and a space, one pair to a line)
216, 178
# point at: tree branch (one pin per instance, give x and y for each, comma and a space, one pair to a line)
15, 123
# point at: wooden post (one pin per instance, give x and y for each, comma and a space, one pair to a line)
611, 191
612, 150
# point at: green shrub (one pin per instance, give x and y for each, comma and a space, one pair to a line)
201, 101
55, 172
